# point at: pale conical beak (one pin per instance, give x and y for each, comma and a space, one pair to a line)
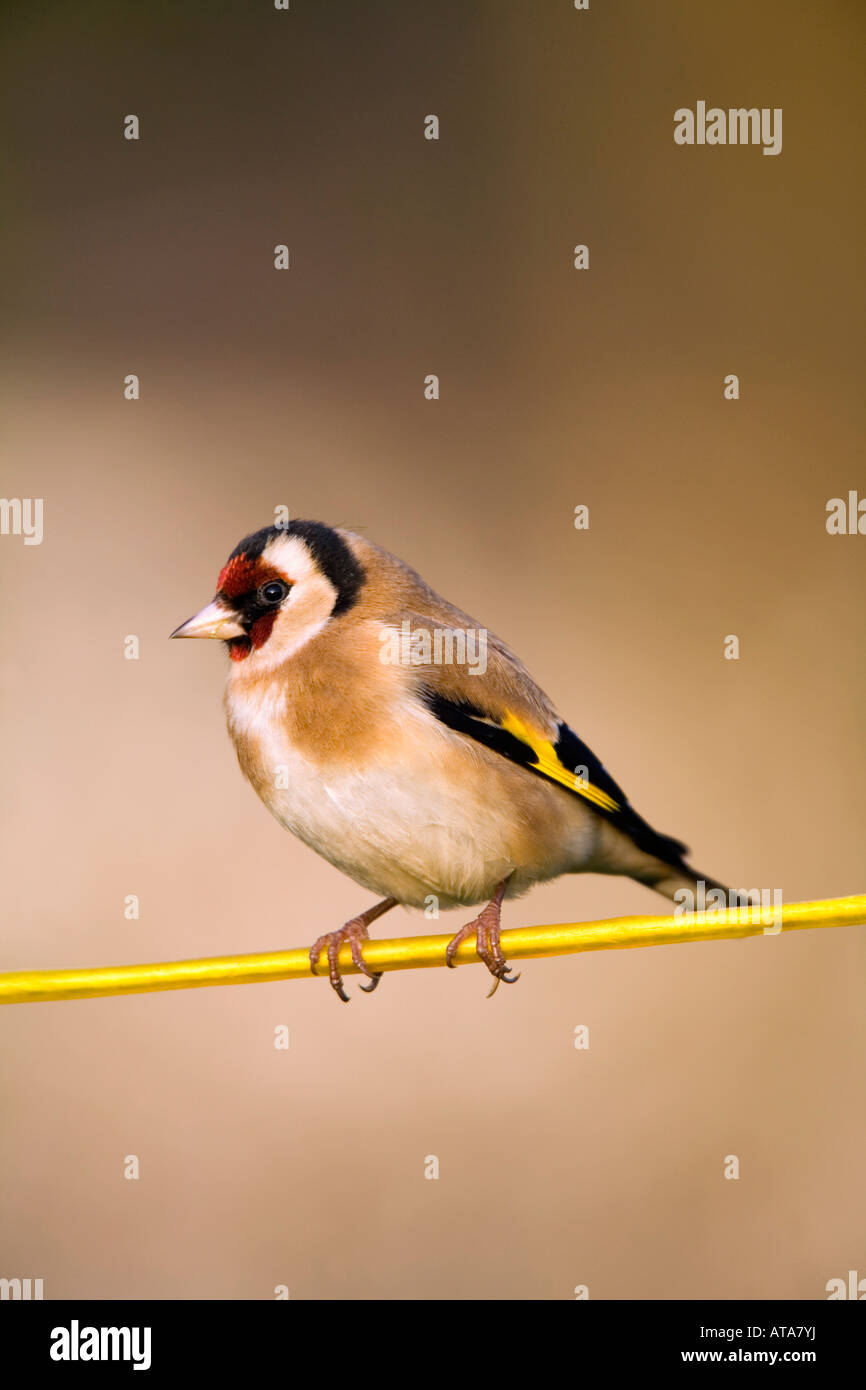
214, 621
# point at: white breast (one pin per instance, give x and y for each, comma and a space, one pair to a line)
399, 828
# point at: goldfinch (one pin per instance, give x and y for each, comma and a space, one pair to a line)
406, 744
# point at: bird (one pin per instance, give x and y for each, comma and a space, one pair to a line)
408, 745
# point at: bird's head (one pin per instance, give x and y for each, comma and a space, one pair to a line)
277, 589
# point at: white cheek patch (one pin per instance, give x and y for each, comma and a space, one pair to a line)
290, 555
305, 611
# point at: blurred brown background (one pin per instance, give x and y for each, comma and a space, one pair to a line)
557, 1167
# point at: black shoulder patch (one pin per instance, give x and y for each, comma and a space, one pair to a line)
466, 718
328, 549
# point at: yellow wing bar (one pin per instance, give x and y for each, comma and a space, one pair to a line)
547, 761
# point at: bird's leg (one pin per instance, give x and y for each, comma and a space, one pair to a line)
486, 927
354, 932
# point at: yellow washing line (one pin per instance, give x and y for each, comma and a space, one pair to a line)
422, 952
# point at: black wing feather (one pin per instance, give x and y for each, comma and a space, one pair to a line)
466, 718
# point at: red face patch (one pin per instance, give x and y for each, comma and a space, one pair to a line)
243, 576
240, 647
238, 581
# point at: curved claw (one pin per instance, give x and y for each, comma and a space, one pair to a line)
487, 943
355, 933
508, 979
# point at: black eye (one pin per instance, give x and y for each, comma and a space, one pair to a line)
273, 592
